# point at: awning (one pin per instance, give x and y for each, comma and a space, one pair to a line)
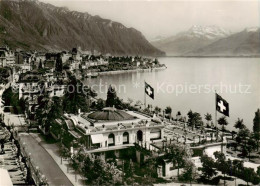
97, 138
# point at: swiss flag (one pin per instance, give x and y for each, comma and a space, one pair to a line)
222, 105
149, 90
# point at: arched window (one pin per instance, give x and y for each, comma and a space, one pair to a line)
140, 135
125, 138
111, 139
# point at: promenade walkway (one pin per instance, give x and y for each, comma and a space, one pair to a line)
53, 150
46, 164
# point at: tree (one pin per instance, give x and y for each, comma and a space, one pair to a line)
157, 110
189, 173
207, 168
100, 104
112, 99
239, 124
208, 118
48, 110
75, 97
87, 168
58, 65
40, 64
256, 136
128, 168
65, 153
242, 134
258, 171
237, 167
223, 122
251, 144
177, 154
248, 174
194, 119
168, 111
221, 164
98, 172
256, 121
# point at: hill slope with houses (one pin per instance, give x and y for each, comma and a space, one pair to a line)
30, 25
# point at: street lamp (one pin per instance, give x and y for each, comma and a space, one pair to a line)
61, 137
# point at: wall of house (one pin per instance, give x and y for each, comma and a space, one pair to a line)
210, 150
171, 171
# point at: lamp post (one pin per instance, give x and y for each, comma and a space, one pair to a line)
61, 137
37, 175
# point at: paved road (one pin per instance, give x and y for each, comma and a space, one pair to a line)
44, 161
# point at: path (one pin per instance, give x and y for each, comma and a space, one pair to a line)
44, 161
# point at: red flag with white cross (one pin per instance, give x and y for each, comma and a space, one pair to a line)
222, 105
149, 90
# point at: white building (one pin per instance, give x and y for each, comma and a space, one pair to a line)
113, 129
7, 57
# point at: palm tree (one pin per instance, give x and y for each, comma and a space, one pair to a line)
223, 121
239, 124
208, 118
157, 110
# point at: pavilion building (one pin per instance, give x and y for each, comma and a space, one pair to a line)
113, 129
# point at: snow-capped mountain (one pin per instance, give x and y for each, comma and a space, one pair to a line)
194, 38
206, 32
252, 29
244, 43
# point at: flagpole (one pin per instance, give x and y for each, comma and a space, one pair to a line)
144, 97
216, 123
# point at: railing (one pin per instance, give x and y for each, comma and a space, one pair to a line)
37, 176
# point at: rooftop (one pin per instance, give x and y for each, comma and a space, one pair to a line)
110, 114
134, 120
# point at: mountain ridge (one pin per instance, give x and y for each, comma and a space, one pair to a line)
30, 24
194, 38
218, 43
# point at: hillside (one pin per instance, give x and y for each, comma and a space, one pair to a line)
30, 25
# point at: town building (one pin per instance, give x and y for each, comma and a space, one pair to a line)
112, 129
33, 84
7, 57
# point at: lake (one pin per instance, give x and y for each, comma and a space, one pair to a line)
190, 83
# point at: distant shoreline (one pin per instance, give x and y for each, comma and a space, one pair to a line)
134, 70
213, 56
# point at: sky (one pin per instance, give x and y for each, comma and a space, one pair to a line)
168, 17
